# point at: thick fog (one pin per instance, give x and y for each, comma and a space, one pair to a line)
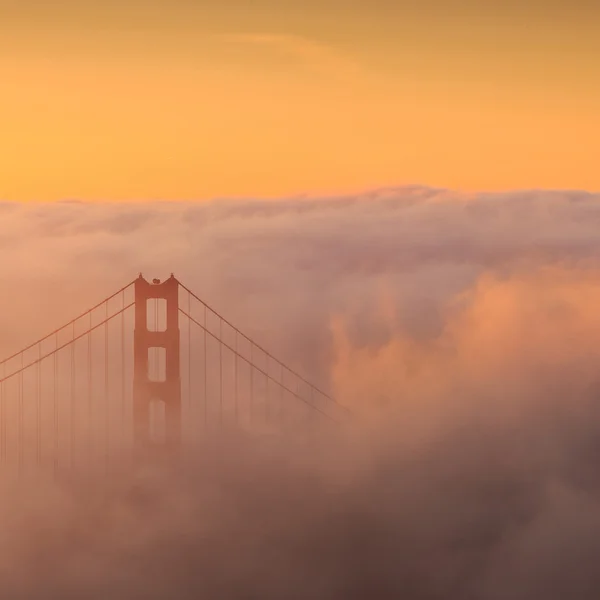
463, 332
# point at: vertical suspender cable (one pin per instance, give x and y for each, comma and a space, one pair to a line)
205, 375
251, 382
20, 409
106, 392
55, 403
89, 391
123, 392
72, 397
281, 394
267, 390
235, 377
221, 372
189, 373
3, 416
38, 408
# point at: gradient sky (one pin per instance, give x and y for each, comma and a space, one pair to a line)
183, 99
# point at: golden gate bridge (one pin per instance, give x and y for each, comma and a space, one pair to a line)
151, 366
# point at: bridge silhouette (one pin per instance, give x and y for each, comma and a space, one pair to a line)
150, 367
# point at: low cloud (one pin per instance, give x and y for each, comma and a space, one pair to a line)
463, 332
281, 269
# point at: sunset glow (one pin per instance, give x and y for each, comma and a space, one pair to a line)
182, 100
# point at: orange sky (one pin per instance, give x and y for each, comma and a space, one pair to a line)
190, 100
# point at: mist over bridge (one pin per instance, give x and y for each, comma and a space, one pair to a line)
151, 366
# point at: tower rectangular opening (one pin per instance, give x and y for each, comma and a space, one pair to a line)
157, 364
156, 314
158, 424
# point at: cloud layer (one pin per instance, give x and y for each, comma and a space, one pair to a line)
282, 269
464, 333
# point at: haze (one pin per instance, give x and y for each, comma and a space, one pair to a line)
463, 332
344, 182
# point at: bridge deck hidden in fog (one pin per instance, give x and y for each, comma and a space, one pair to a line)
150, 366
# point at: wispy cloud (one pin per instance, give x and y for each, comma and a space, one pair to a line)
316, 55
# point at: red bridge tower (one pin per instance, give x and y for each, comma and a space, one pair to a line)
167, 391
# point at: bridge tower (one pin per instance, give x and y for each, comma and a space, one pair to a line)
167, 391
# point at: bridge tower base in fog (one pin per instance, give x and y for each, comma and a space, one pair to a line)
146, 391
